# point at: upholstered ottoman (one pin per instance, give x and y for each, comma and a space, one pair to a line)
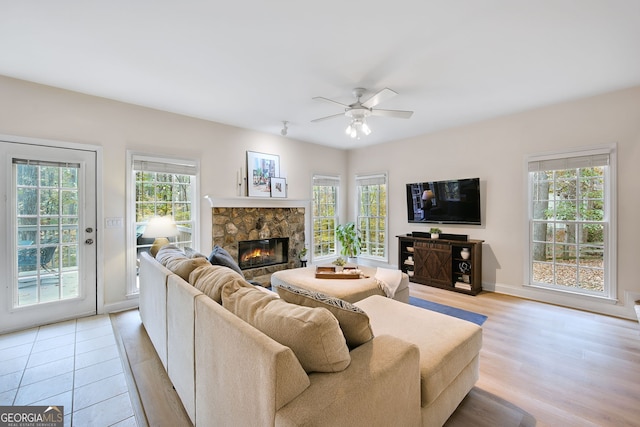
350, 290
449, 352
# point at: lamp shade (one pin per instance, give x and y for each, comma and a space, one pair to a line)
160, 226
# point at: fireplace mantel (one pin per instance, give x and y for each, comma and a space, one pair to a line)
256, 202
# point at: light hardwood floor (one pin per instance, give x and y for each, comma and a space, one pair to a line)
540, 365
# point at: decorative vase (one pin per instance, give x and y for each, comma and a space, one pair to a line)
435, 235
464, 253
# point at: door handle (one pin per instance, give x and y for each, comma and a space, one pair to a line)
89, 241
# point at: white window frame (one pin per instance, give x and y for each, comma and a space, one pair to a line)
325, 181
380, 178
579, 157
169, 165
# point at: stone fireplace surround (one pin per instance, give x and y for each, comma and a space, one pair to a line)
233, 224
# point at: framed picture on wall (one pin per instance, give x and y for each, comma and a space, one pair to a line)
278, 187
261, 168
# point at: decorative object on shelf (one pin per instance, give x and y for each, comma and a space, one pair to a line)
160, 228
261, 168
409, 248
278, 187
241, 182
464, 267
435, 232
349, 238
464, 253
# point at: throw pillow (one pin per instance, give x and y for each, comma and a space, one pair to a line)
353, 321
313, 334
192, 253
213, 279
168, 252
184, 266
219, 256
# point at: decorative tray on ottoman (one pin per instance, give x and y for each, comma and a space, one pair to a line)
329, 272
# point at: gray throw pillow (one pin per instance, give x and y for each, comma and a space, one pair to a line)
219, 256
192, 253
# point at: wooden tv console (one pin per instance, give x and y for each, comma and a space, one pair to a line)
441, 263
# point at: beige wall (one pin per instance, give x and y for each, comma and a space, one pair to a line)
31, 110
495, 151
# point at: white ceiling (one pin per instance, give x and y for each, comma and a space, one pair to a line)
254, 63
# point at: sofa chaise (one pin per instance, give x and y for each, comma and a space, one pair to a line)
238, 354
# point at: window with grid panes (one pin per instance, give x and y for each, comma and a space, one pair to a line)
372, 214
571, 222
325, 215
163, 187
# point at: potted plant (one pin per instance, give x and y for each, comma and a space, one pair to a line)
435, 232
340, 262
303, 254
350, 240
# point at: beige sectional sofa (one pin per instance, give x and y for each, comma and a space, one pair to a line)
238, 354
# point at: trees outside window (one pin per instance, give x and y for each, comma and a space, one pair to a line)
162, 187
325, 215
571, 222
372, 214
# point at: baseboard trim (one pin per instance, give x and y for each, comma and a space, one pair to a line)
119, 306
550, 297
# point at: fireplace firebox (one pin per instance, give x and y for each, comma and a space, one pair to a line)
263, 252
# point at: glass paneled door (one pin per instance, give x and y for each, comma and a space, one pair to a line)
48, 254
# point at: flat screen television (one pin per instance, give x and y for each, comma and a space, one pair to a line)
455, 201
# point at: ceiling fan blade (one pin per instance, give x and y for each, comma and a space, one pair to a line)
399, 114
382, 95
327, 118
320, 98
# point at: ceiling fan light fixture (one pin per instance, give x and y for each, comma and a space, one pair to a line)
358, 128
359, 111
349, 129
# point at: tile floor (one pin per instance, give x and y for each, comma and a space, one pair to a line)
75, 364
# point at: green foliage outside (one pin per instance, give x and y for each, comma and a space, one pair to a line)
372, 214
568, 209
324, 220
163, 194
47, 211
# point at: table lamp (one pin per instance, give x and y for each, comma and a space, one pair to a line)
160, 227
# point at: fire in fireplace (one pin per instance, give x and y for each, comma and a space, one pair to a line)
263, 252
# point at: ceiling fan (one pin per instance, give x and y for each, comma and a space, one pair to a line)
359, 111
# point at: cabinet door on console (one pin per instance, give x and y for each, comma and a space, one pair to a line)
433, 264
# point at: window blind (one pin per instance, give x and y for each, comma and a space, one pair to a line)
164, 167
45, 163
589, 161
371, 180
326, 181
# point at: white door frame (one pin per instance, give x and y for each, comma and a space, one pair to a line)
99, 229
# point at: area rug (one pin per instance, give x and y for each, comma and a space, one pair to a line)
470, 316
